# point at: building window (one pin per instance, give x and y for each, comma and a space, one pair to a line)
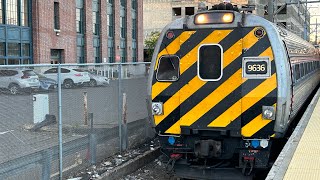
80, 31
123, 3
176, 11
110, 25
13, 49
134, 30
79, 17
96, 54
1, 18
95, 23
283, 11
24, 13
25, 49
110, 28
2, 49
134, 4
123, 52
12, 12
56, 16
122, 18
80, 58
2, 61
55, 56
189, 11
25, 61
122, 55
13, 61
110, 54
134, 51
95, 17
122, 27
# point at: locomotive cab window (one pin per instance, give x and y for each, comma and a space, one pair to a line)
168, 68
210, 62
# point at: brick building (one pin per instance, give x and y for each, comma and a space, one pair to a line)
70, 31
87, 31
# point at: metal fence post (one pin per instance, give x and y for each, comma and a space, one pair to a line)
124, 122
60, 122
85, 107
46, 165
120, 107
92, 141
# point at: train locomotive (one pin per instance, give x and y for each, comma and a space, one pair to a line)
223, 86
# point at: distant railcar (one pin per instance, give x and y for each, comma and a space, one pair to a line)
223, 85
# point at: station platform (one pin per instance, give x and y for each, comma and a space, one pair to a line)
300, 157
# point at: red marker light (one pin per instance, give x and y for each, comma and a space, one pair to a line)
259, 33
170, 35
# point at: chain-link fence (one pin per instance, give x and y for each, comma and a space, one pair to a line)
48, 131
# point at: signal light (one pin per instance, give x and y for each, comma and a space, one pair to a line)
170, 35
259, 33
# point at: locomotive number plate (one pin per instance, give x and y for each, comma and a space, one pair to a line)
256, 67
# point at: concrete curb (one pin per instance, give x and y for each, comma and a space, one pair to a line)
132, 165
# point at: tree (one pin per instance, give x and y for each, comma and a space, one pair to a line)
150, 43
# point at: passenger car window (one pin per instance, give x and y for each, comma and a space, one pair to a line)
11, 73
50, 71
63, 70
168, 68
210, 62
29, 73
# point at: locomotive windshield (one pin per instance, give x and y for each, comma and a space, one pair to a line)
168, 69
210, 62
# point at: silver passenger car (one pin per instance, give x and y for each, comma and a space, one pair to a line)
17, 80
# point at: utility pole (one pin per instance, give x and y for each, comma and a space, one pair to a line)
271, 10
316, 31
305, 29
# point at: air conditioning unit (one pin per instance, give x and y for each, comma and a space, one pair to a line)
40, 107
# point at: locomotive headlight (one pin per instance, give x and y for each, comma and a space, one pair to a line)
213, 18
201, 19
268, 112
157, 108
227, 18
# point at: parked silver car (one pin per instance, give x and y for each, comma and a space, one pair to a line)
17, 80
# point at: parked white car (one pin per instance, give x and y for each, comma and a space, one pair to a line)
69, 77
95, 80
17, 80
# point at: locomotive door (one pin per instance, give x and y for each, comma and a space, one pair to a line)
210, 77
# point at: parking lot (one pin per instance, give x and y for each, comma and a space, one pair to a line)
17, 114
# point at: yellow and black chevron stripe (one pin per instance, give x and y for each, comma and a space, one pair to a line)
232, 103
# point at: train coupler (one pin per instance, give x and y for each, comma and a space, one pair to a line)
248, 161
172, 161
